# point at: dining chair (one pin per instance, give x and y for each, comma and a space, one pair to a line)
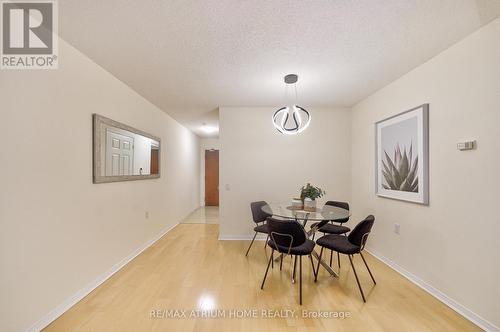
259, 218
332, 228
288, 237
349, 245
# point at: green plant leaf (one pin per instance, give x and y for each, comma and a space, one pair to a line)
311, 192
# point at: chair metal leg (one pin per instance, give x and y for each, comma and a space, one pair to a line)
331, 257
338, 254
267, 270
281, 262
371, 275
265, 243
357, 280
314, 234
300, 282
319, 263
312, 264
294, 268
250, 246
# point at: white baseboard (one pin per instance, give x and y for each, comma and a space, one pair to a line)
67, 304
259, 237
472, 316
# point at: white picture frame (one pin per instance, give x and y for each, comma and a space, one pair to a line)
402, 156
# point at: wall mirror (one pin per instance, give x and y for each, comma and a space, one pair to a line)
123, 153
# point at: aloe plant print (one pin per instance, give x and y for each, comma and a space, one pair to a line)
401, 172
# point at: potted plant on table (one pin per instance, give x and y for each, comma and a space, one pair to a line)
308, 195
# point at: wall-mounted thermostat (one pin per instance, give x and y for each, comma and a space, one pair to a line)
470, 145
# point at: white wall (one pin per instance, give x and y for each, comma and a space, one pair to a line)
259, 163
59, 232
205, 144
452, 244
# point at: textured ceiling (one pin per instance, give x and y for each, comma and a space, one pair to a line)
189, 57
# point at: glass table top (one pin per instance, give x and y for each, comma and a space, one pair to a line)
326, 212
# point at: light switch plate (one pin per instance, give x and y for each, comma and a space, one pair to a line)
468, 145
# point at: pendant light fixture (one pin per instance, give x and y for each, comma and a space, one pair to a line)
291, 119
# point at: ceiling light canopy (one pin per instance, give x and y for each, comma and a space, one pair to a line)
291, 119
208, 129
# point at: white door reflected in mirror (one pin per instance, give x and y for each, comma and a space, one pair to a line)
127, 153
123, 153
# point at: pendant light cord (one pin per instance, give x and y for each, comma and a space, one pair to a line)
296, 94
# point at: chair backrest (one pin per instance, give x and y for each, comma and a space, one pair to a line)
257, 214
357, 235
343, 205
283, 231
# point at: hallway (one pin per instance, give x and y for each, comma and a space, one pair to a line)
203, 215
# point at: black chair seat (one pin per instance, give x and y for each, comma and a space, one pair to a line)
341, 221
338, 243
332, 229
304, 249
261, 229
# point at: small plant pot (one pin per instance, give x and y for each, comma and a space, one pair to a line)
297, 203
309, 204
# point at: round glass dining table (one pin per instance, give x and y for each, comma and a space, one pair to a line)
324, 213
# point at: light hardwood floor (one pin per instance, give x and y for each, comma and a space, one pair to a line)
189, 269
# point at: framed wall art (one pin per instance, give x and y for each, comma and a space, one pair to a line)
402, 156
